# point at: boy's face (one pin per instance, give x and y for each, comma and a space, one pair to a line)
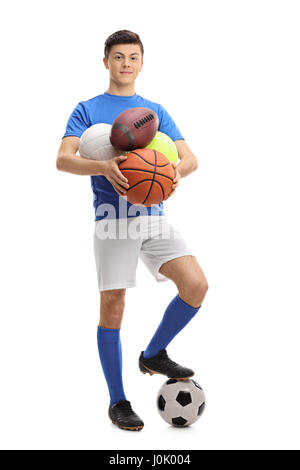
124, 63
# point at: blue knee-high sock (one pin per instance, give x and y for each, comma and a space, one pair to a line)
110, 352
177, 315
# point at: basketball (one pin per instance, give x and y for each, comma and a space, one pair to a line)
134, 129
150, 176
95, 143
164, 144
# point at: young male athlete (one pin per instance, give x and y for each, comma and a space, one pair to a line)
116, 258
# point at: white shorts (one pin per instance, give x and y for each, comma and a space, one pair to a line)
119, 243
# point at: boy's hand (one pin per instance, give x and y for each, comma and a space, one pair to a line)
114, 175
175, 180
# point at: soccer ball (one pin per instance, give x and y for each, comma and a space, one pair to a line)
180, 402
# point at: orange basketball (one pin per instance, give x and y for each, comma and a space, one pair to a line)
150, 176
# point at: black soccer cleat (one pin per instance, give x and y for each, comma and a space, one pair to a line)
123, 416
162, 364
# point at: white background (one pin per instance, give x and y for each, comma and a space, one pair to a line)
228, 73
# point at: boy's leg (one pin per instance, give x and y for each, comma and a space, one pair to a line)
112, 304
189, 278
192, 286
116, 259
110, 352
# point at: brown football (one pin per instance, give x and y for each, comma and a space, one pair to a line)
134, 128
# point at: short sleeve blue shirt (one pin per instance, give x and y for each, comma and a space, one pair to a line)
105, 108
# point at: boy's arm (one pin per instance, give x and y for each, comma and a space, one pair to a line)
67, 160
188, 161
187, 164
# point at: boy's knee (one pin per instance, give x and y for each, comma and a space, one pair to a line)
194, 291
112, 307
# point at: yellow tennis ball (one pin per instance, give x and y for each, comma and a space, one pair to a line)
164, 144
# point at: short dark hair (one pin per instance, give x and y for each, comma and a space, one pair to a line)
123, 36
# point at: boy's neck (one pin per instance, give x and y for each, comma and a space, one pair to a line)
114, 89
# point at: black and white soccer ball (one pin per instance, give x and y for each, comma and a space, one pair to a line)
180, 402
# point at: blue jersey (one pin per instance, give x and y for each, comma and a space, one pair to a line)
105, 108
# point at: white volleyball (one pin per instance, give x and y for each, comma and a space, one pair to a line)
95, 144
